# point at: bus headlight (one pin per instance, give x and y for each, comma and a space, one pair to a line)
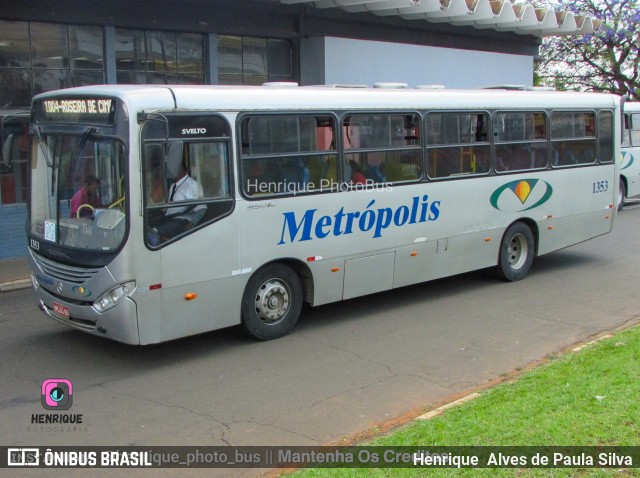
113, 296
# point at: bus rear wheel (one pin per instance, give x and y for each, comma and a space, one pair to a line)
272, 302
516, 252
622, 192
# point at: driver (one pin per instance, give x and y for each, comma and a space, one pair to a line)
87, 195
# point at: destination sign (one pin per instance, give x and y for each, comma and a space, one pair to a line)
81, 110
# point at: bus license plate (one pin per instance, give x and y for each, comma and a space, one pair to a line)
61, 310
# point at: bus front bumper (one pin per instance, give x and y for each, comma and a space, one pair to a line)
119, 323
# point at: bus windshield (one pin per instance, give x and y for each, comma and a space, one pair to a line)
78, 190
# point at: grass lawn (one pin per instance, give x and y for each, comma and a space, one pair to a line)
585, 398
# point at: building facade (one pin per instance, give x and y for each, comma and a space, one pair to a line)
47, 45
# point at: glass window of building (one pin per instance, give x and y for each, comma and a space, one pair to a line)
190, 59
159, 57
86, 52
229, 60
64, 56
15, 64
130, 56
34, 58
37, 57
253, 61
280, 60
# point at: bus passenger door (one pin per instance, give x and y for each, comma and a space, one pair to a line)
191, 220
199, 289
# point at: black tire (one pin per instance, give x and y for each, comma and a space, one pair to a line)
516, 253
272, 302
622, 193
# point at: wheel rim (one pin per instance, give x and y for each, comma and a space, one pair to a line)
518, 251
273, 300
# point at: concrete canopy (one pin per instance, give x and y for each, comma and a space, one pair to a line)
501, 15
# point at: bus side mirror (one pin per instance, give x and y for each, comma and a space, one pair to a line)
173, 158
7, 150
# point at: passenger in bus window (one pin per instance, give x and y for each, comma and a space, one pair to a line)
87, 196
180, 219
357, 175
294, 174
374, 167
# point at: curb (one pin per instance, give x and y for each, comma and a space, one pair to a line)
15, 285
440, 410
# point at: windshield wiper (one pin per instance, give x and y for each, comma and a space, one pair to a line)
85, 136
45, 151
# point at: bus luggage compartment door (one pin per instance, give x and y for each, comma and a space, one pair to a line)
366, 275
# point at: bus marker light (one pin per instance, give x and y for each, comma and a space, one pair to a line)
190, 296
549, 227
155, 286
414, 254
487, 239
335, 269
238, 272
314, 258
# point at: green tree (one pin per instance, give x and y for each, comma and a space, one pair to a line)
606, 60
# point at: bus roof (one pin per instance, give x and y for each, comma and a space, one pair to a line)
322, 98
632, 106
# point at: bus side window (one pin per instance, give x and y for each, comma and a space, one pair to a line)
155, 181
287, 154
190, 202
573, 138
382, 148
521, 141
626, 132
605, 136
635, 129
213, 171
458, 144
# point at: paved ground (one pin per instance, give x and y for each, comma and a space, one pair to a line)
14, 274
347, 367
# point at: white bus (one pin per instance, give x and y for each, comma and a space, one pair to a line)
299, 195
630, 157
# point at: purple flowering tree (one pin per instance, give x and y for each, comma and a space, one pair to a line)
606, 60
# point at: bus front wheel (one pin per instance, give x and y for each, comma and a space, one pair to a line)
272, 302
516, 252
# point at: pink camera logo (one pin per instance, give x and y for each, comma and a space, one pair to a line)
56, 394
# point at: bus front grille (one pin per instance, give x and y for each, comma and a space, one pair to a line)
76, 275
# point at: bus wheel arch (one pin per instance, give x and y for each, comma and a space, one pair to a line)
517, 250
622, 192
272, 300
305, 276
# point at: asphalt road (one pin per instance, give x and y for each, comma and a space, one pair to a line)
346, 368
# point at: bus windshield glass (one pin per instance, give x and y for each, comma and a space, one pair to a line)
78, 190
